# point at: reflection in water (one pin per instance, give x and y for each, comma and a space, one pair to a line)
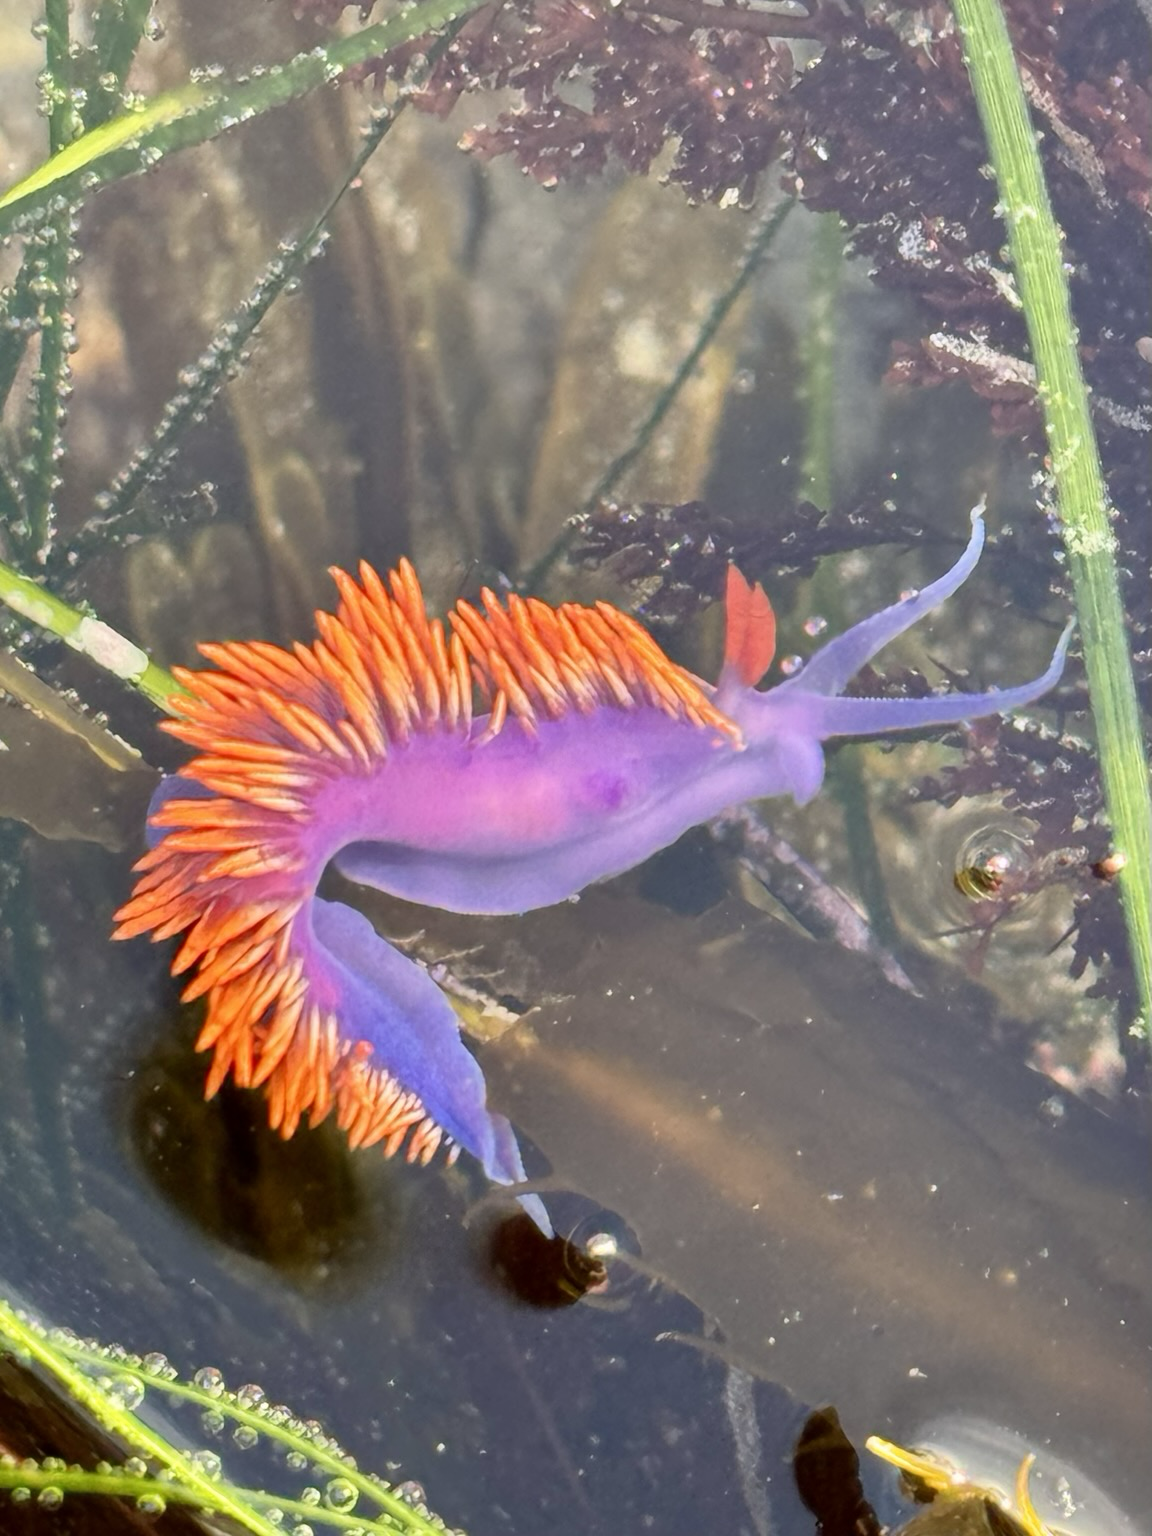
966, 1462
853, 1182
684, 1114
539, 1271
850, 1180
827, 1472
868, 1197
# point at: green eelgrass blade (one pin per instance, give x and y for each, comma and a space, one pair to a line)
117, 27
109, 1384
91, 149
27, 1341
88, 635
100, 71
1082, 498
50, 258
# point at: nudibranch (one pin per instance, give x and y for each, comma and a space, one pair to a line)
365, 750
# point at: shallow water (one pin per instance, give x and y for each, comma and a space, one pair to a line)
839, 1193
834, 1189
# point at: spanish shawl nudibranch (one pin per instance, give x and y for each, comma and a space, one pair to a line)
363, 750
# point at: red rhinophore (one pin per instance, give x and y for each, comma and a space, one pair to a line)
750, 637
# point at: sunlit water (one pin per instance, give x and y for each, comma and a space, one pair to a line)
805, 1186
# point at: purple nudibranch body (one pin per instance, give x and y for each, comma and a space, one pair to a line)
362, 750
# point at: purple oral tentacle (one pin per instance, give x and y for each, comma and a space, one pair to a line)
833, 666
872, 717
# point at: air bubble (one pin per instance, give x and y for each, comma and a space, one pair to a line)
207, 1463
245, 1437
990, 859
341, 1495
209, 1380
598, 1253
126, 1392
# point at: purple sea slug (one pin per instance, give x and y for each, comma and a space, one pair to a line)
363, 749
